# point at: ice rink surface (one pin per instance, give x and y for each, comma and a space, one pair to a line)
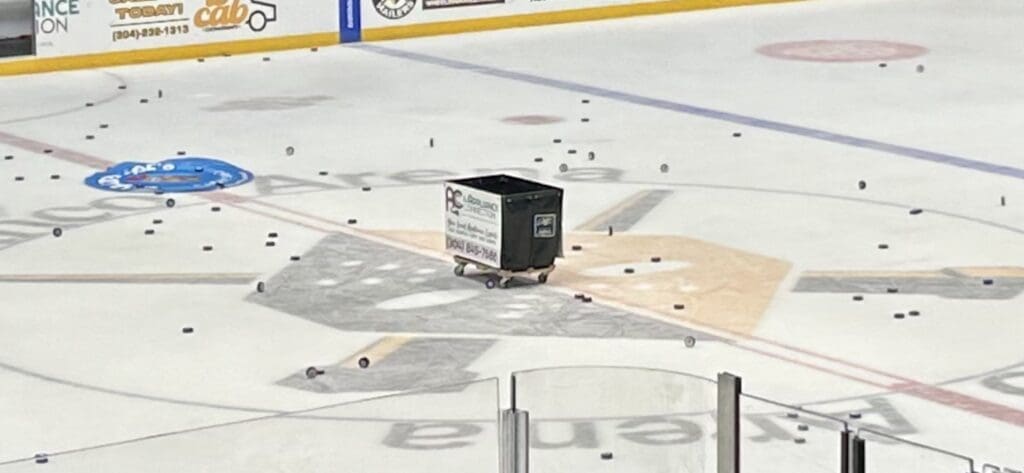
767, 185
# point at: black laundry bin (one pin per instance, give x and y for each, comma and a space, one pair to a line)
530, 216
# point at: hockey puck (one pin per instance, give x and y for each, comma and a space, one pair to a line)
664, 168
655, 259
215, 209
261, 286
149, 231
157, 221
207, 248
352, 221
987, 282
563, 167
272, 235
678, 306
690, 342
862, 185
606, 455
170, 203
364, 362
915, 211
270, 243
187, 330
576, 247
628, 270
858, 298
538, 160
57, 232
296, 257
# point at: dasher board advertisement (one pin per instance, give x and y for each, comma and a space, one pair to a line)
473, 224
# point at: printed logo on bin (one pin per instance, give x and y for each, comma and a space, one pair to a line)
190, 174
544, 226
453, 200
394, 9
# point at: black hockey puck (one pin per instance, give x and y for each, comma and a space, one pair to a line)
214, 209
157, 221
352, 221
655, 259
862, 185
296, 257
270, 243
858, 298
261, 286
364, 362
577, 248
628, 270
57, 232
678, 306
170, 203
207, 248
606, 455
187, 330
149, 231
987, 282
915, 211
538, 160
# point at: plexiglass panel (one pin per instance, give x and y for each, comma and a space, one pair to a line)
775, 437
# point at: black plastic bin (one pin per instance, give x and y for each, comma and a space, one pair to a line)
530, 216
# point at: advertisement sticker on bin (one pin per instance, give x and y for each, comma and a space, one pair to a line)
473, 224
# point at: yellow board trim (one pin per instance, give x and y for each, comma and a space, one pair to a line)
170, 53
554, 17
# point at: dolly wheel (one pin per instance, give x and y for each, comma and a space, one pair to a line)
460, 269
542, 278
490, 283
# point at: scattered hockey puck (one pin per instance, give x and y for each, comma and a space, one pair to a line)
611, 231
314, 49
584, 120
587, 299
323, 173
678, 306
54, 177
181, 153
352, 221
578, 296
800, 440
8, 157
266, 59
364, 362
920, 68
201, 60
1002, 200
157, 221
792, 415
915, 211
690, 342
57, 232
170, 203
261, 286
366, 189
591, 156
41, 458
272, 235
664, 168
538, 160
914, 313
207, 248
576, 247
898, 315
187, 330
431, 142
48, 151
655, 259
557, 140
883, 246
88, 104
563, 167
858, 298
572, 151
122, 87
19, 178
737, 134
149, 231
143, 100
215, 209
90, 137
987, 282
802, 427
160, 93
289, 151
855, 415
104, 126
606, 455
862, 185
296, 257
270, 243
882, 64
628, 270
586, 100
892, 290
312, 372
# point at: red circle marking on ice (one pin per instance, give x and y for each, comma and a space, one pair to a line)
842, 50
532, 119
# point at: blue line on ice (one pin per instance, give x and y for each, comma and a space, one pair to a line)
635, 99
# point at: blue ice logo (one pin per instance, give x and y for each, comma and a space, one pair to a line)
191, 174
